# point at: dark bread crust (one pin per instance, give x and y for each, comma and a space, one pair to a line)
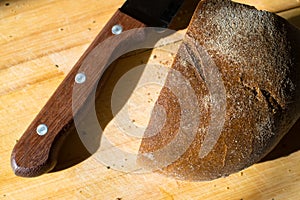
256, 53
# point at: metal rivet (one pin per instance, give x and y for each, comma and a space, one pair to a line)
42, 129
80, 78
117, 29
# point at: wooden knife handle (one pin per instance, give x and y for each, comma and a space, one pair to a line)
35, 154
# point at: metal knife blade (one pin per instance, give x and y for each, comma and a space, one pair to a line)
154, 13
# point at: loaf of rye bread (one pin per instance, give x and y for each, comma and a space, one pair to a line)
245, 94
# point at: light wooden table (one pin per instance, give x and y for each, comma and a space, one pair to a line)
39, 43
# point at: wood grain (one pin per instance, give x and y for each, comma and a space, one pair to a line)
40, 42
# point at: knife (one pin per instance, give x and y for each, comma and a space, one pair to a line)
36, 151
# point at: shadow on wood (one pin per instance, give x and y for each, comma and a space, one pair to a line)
287, 145
73, 150
295, 20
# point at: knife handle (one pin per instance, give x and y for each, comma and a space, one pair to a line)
36, 154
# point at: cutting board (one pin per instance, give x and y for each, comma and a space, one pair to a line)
40, 42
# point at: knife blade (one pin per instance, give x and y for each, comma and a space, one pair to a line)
149, 13
36, 151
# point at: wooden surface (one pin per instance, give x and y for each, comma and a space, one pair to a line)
40, 42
